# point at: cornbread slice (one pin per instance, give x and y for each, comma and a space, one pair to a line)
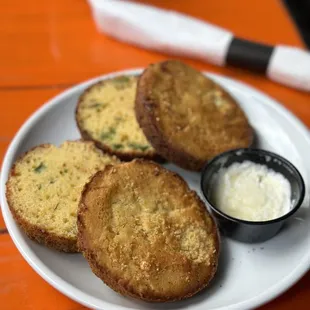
105, 114
186, 117
146, 234
44, 188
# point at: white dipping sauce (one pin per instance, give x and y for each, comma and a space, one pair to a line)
251, 191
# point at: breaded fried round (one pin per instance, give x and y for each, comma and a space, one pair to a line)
146, 234
105, 114
44, 188
187, 117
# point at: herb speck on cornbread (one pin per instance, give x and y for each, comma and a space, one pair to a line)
117, 146
108, 134
56, 206
64, 171
137, 146
122, 79
95, 105
39, 168
120, 83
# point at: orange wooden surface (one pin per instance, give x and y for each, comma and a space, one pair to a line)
46, 46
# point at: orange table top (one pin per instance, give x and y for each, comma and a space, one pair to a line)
46, 46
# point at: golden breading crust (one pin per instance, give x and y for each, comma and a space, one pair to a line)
186, 117
44, 187
146, 234
105, 114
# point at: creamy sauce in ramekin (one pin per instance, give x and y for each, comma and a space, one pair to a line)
251, 192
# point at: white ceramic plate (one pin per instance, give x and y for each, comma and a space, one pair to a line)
248, 275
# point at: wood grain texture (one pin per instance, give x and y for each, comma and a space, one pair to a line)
46, 46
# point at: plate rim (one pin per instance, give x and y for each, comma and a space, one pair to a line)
78, 295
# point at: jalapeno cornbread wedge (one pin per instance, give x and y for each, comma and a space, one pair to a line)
44, 188
105, 114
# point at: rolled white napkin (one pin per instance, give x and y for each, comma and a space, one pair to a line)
178, 34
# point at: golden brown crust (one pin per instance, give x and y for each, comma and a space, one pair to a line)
183, 137
199, 269
125, 156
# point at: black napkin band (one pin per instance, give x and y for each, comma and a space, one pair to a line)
249, 55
